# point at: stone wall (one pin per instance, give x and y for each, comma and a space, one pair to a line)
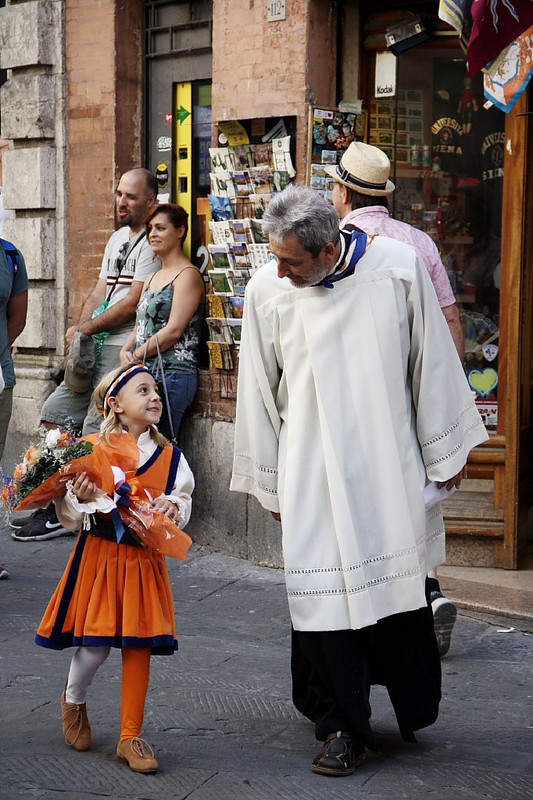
32, 99
71, 112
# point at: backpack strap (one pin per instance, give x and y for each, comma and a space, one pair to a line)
11, 254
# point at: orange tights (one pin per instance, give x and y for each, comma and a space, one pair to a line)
135, 677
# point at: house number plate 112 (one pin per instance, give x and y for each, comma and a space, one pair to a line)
276, 10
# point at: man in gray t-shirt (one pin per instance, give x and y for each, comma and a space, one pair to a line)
127, 262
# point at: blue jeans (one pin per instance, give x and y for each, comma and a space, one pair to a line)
181, 389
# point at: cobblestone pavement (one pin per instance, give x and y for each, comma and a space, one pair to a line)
219, 713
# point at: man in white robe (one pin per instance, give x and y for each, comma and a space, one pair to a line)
351, 400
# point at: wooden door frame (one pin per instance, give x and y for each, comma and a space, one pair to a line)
515, 334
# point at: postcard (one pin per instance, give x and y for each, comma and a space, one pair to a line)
241, 230
220, 355
262, 154
222, 184
260, 236
280, 179
239, 279
329, 156
242, 182
220, 231
235, 326
215, 305
260, 254
385, 123
221, 207
243, 156
219, 330
386, 137
261, 178
219, 256
239, 253
281, 154
220, 282
222, 159
237, 306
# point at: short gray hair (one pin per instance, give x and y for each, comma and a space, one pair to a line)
302, 212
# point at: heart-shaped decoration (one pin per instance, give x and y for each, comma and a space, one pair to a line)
483, 381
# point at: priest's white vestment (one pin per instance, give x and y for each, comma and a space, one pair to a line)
350, 400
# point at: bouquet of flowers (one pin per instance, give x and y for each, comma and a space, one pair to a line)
40, 463
46, 473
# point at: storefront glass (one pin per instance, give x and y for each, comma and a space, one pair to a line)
447, 155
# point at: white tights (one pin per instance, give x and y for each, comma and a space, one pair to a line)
83, 667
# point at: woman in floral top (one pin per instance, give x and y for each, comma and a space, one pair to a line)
170, 313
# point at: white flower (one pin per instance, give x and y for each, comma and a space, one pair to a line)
52, 438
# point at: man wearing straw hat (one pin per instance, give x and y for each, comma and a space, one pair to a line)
351, 401
360, 190
360, 194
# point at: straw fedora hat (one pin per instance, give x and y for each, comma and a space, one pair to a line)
365, 169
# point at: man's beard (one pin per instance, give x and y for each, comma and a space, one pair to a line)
316, 274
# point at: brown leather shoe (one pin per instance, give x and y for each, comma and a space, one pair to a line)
339, 756
76, 728
138, 754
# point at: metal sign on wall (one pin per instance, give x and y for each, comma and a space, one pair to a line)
276, 10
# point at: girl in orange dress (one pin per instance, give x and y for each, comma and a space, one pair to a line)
115, 592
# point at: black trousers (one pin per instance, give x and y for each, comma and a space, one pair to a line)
333, 671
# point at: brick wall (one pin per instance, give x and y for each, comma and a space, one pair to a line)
269, 69
104, 66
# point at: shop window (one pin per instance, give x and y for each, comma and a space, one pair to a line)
447, 153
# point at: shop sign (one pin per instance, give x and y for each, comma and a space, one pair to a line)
235, 132
385, 74
351, 106
489, 414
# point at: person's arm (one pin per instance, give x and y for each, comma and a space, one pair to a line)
83, 490
453, 319
443, 289
178, 504
115, 316
448, 423
95, 299
188, 295
258, 421
126, 353
16, 312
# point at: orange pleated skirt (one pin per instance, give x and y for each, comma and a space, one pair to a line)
111, 594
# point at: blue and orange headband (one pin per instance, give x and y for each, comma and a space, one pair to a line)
120, 381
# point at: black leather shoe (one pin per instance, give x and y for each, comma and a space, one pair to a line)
339, 756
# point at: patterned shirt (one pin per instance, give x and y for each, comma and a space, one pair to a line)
153, 314
376, 219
